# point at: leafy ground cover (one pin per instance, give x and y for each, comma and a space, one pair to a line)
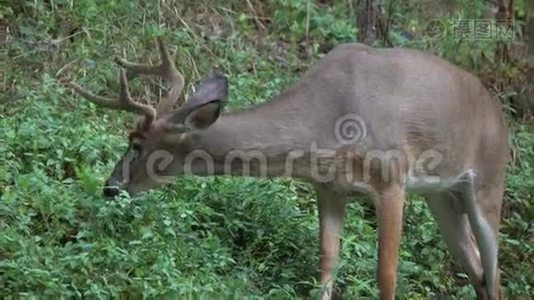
201, 237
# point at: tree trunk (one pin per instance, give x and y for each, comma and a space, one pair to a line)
505, 15
529, 93
4, 39
368, 19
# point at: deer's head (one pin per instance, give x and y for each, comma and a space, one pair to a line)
161, 140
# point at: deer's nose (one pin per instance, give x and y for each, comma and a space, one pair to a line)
111, 191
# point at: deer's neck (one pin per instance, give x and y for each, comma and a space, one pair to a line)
254, 142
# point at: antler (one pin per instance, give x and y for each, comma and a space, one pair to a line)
124, 101
165, 70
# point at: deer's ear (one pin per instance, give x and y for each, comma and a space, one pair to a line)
205, 104
213, 88
203, 116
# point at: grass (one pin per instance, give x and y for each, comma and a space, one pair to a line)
200, 237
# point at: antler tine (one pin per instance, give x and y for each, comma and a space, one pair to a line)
123, 102
166, 70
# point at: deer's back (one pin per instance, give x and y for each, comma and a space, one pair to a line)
408, 100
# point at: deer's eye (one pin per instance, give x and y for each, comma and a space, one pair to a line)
136, 150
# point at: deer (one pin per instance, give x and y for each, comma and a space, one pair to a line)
379, 121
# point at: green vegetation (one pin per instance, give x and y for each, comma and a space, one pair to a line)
204, 236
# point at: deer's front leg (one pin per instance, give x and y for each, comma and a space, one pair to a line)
389, 208
331, 212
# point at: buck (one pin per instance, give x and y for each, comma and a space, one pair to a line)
416, 123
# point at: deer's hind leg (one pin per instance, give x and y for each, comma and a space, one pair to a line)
389, 203
486, 198
469, 222
483, 201
457, 234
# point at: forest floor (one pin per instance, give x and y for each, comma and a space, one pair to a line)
202, 237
